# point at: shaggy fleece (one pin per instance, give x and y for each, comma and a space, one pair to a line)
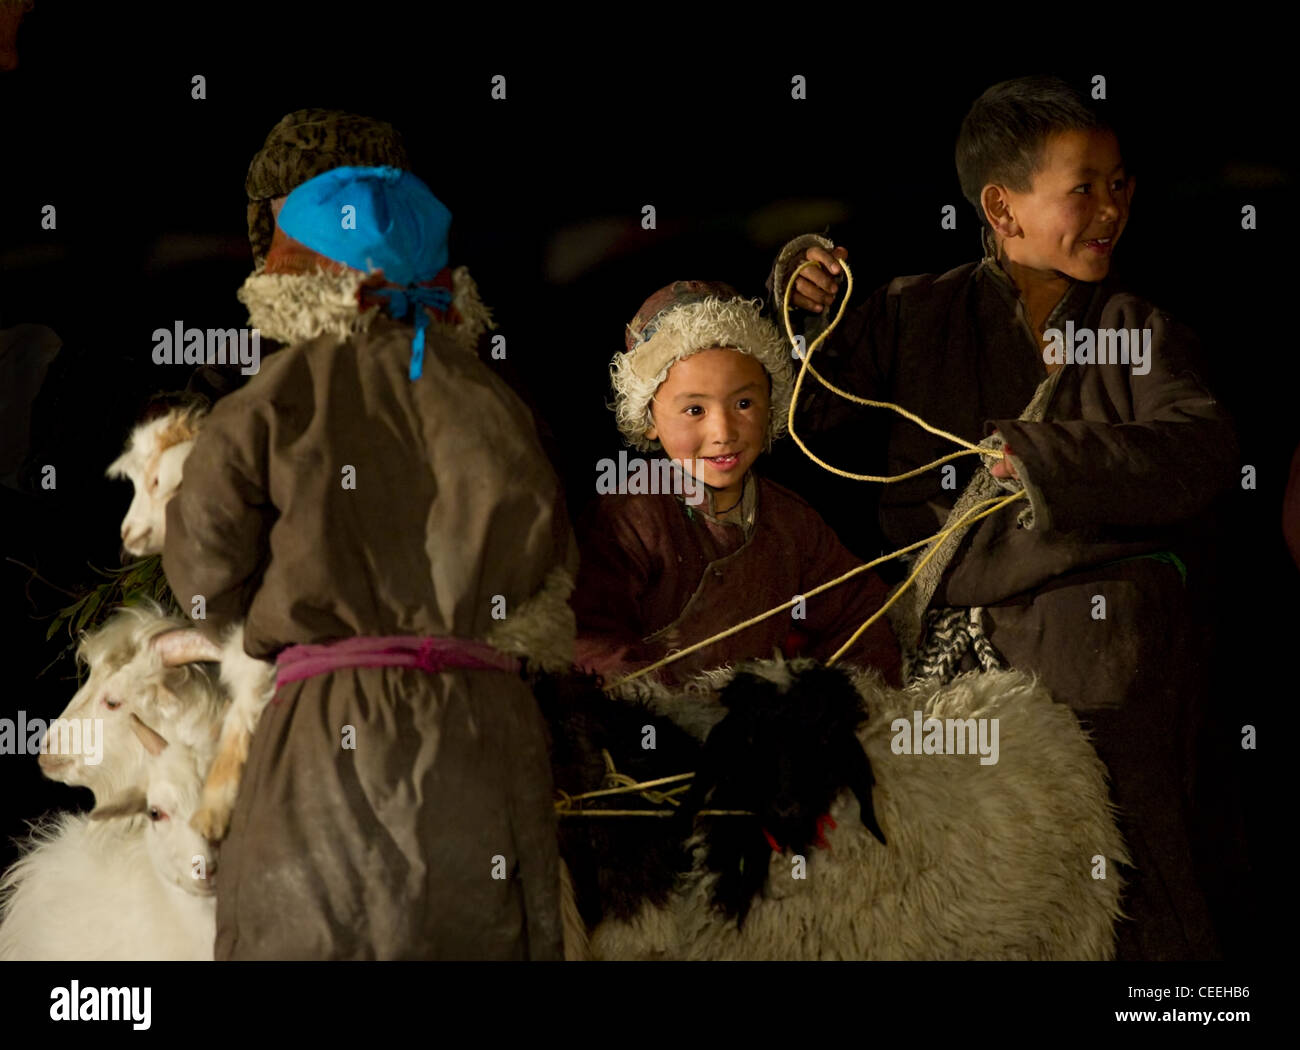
983, 862
541, 631
58, 901
293, 308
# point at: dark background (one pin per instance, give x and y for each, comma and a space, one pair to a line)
547, 190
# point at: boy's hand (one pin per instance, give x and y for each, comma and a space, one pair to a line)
1003, 468
815, 289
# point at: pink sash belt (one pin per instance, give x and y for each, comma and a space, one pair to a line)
433, 655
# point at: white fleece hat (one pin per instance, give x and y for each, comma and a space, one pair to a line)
682, 319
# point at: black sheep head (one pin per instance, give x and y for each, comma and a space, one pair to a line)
784, 754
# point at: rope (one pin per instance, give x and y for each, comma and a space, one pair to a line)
966, 519
937, 539
565, 807
649, 812
968, 448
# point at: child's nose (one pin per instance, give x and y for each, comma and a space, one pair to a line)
1112, 205
724, 427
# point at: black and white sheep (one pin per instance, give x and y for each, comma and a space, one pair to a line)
1012, 859
784, 755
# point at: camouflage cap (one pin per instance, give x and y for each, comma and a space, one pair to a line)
305, 144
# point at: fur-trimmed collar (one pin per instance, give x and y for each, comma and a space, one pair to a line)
293, 308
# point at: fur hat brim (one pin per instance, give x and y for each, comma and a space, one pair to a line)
736, 324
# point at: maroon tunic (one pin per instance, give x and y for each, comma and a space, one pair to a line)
657, 575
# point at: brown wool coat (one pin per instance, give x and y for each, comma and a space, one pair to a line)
385, 850
1120, 467
654, 578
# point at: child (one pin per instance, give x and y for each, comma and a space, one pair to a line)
377, 495
708, 380
1081, 586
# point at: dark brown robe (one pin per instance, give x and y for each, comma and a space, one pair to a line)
1122, 464
658, 575
434, 836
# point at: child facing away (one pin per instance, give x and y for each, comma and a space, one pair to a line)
707, 379
1105, 424
372, 500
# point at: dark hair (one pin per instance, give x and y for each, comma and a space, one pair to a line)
1003, 136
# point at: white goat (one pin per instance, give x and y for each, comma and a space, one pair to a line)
135, 888
138, 665
1009, 860
154, 459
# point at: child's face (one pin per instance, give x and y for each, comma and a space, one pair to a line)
1079, 198
713, 409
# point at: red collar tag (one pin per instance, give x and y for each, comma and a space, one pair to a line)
823, 822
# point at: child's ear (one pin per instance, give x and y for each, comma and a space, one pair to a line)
998, 212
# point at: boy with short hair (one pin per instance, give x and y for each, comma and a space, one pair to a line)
1116, 452
707, 379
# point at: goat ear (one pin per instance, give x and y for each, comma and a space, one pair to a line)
154, 742
185, 645
127, 805
861, 780
118, 468
723, 748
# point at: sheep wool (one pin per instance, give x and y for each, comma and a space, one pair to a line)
85, 890
1013, 860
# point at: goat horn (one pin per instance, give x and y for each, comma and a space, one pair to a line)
153, 741
185, 645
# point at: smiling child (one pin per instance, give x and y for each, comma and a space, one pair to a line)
1086, 587
707, 380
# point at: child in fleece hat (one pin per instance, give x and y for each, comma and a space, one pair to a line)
706, 379
369, 504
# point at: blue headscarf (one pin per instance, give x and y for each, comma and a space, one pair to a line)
377, 219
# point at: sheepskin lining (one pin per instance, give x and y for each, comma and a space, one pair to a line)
293, 308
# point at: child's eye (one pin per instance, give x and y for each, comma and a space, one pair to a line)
1084, 188
693, 410
745, 402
